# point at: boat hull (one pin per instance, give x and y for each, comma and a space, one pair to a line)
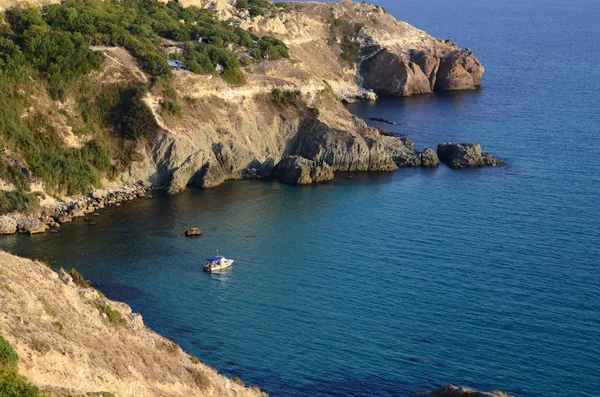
215, 267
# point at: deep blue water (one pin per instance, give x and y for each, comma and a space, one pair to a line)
388, 284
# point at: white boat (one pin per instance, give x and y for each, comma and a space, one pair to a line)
217, 263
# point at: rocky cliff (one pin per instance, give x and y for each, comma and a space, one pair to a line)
338, 51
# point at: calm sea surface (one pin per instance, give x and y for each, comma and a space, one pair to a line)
388, 284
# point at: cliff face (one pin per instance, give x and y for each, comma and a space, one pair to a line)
73, 342
227, 130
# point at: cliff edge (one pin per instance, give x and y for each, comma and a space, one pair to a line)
71, 341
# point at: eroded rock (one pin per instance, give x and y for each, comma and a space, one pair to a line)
7, 225
465, 155
429, 159
392, 74
31, 226
459, 70
297, 170
193, 232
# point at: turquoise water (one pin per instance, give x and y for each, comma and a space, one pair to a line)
387, 284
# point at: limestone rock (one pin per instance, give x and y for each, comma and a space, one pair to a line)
429, 159
392, 74
89, 294
193, 232
63, 218
297, 170
429, 64
7, 225
136, 320
454, 391
65, 277
31, 226
459, 70
465, 155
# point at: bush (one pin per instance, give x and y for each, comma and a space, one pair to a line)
8, 356
11, 383
171, 107
78, 278
112, 315
138, 119
17, 200
351, 51
285, 98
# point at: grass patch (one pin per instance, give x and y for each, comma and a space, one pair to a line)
201, 380
17, 200
78, 278
112, 315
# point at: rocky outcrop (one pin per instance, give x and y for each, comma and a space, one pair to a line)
31, 226
429, 159
421, 71
454, 391
296, 170
391, 74
465, 155
459, 70
7, 225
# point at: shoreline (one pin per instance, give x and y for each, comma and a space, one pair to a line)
52, 217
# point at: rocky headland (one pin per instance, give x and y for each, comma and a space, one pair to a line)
338, 52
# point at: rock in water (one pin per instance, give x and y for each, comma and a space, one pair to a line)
392, 74
454, 391
297, 170
460, 70
465, 155
7, 225
193, 232
31, 226
429, 159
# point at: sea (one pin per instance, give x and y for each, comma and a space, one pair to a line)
396, 283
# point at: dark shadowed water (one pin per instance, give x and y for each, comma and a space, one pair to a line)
387, 284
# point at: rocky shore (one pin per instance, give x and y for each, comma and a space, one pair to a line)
53, 216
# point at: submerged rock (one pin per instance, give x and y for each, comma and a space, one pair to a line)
465, 155
454, 391
297, 170
7, 225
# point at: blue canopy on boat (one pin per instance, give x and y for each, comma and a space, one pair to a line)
215, 259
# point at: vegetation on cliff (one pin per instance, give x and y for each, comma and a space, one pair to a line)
11, 383
45, 52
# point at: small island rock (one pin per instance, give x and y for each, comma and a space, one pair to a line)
465, 155
193, 232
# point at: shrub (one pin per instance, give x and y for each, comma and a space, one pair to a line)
351, 51
138, 119
8, 356
285, 98
78, 278
112, 315
12, 385
171, 107
17, 200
